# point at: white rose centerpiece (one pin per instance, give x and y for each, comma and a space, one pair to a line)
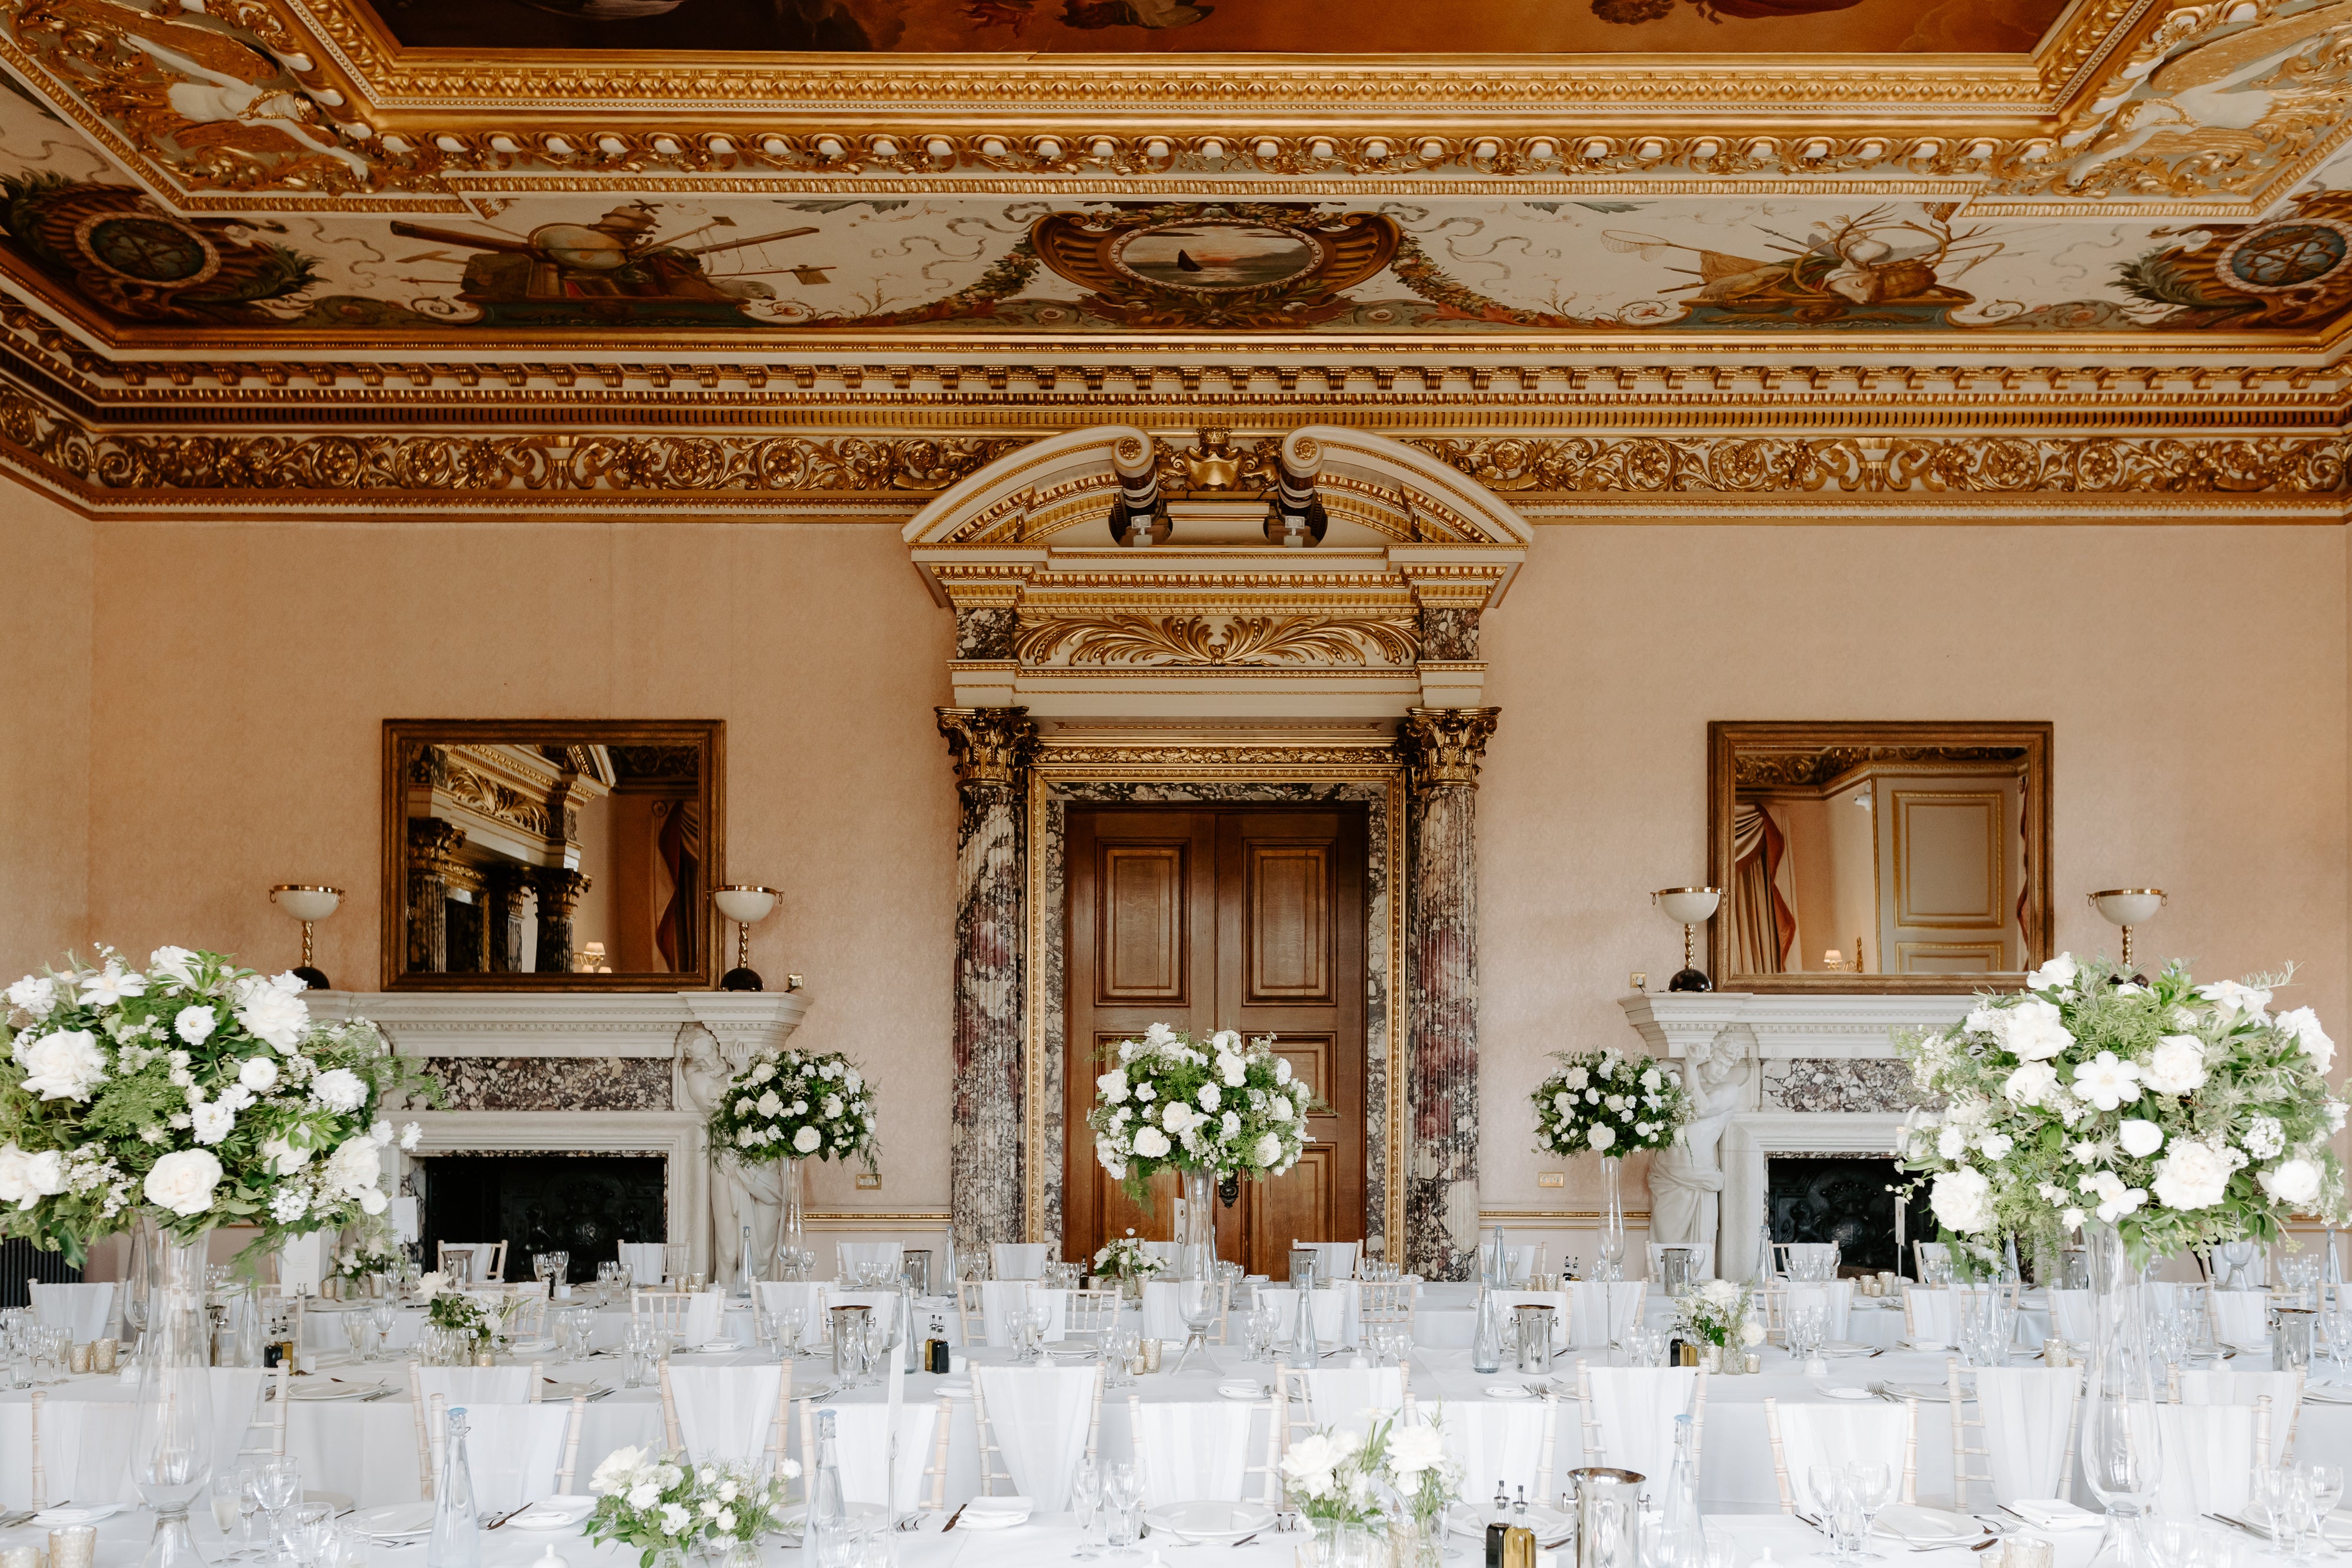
1607, 1102
1225, 1106
797, 1105
2181, 1115
193, 1092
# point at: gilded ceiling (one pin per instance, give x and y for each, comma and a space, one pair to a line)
1499, 230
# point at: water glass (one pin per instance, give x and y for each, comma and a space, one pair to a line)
1123, 1506
1086, 1503
310, 1533
361, 1335
2298, 1275
276, 1484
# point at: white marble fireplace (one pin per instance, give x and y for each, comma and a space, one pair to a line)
1775, 1075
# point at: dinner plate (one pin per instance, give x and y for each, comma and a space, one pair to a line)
997, 1513
332, 1388
1242, 1390
956, 1390
793, 1515
1917, 1526
1509, 1391
1848, 1393
1935, 1393
392, 1519
1845, 1347
557, 1513
559, 1391
531, 1347
1212, 1521
75, 1513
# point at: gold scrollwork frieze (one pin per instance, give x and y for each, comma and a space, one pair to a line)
1216, 640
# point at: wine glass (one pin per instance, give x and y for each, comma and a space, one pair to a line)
2322, 1485
277, 1484
1871, 1487
2274, 1497
1123, 1504
1832, 1503
1085, 1501
382, 1314
361, 1335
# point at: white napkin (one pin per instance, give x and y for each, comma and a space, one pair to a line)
2053, 1513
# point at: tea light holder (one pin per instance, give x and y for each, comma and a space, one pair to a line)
73, 1546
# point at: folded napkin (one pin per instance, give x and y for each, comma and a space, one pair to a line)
71, 1513
553, 1512
996, 1512
2053, 1513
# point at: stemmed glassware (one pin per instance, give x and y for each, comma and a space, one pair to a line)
1085, 1501
1123, 1506
276, 1485
551, 1269
382, 1314
361, 1333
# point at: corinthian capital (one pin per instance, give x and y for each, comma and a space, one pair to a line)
991, 746
1444, 744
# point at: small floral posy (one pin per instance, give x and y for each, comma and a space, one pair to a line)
1228, 1105
665, 1502
1606, 1103
195, 1091
447, 1306
1126, 1258
1332, 1475
2181, 1114
1717, 1313
797, 1105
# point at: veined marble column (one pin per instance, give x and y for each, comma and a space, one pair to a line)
1443, 745
432, 846
510, 889
559, 890
991, 747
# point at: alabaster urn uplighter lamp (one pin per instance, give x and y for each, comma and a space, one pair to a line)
2126, 907
746, 904
1688, 907
308, 905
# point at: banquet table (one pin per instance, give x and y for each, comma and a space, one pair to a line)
368, 1449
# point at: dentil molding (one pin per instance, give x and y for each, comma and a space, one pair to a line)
1680, 1024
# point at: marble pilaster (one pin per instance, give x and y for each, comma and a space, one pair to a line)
991, 747
508, 898
559, 890
432, 846
1444, 747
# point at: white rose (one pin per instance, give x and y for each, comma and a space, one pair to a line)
36, 994
195, 1024
2191, 1175
1280, 1109
762, 1073
1962, 1200
13, 1186
355, 1166
1176, 1116
259, 1074
2036, 1030
2177, 1066
807, 1139
1234, 1071
271, 1014
2031, 1084
284, 1157
1986, 1020
769, 1104
411, 1135
1602, 1134
1952, 1143
2295, 1181
183, 1181
2141, 1138
1282, 1070
1751, 1333
213, 1122
1150, 1143
2303, 1024
1268, 1150
1112, 1086
1564, 1103
2059, 973
1996, 1146
833, 1107
67, 1065
339, 1089
1209, 1096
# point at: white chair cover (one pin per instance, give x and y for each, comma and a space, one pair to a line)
2026, 1411
644, 1260
1596, 1303
1837, 1435
2241, 1317
2209, 1459
472, 1386
1835, 1300
724, 1412
236, 1410
86, 1309
1020, 1259
847, 1254
2072, 1317
1496, 1445
1040, 1417
1519, 1261
301, 1263
1814, 1251
810, 1298
1164, 1317
512, 1452
86, 1443
1349, 1398
1936, 1319
1332, 1314
1558, 1300
1705, 1258
1190, 1452
883, 1304
861, 1442
1333, 1260
1000, 1299
1634, 1407
2232, 1387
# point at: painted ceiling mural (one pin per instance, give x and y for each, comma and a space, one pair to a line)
1201, 26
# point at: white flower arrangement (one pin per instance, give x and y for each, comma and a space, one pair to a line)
1126, 1258
195, 1091
1426, 1480
797, 1105
1717, 1313
1609, 1104
665, 1502
1330, 1475
1227, 1106
2182, 1114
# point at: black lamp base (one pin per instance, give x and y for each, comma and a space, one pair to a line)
741, 979
1229, 1188
314, 979
1690, 980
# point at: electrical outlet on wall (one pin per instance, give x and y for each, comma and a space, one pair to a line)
869, 1182
1551, 1178
1639, 980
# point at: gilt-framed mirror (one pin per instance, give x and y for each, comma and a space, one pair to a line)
1878, 856
553, 854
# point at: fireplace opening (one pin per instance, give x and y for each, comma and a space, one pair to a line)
581, 1204
1842, 1199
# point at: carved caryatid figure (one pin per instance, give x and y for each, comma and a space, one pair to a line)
741, 1194
1687, 1176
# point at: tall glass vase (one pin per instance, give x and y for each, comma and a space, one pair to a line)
1612, 1219
1196, 1264
171, 1440
2123, 1455
139, 1282
791, 1219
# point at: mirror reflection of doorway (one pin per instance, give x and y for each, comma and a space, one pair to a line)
1248, 918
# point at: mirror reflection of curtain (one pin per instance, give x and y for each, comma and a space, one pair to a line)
678, 887
1763, 920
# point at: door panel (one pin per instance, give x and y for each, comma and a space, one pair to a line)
1246, 919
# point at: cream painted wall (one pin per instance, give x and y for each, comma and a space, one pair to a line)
246, 672
44, 725
2197, 678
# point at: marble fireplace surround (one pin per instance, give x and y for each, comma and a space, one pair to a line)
535, 1072
1780, 1074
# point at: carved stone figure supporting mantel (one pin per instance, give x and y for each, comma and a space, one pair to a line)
991, 747
1686, 1178
559, 892
1444, 747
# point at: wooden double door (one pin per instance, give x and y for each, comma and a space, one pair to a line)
1244, 918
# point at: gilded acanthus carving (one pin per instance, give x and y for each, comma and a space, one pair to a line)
991, 746
1216, 640
1818, 765
1443, 745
